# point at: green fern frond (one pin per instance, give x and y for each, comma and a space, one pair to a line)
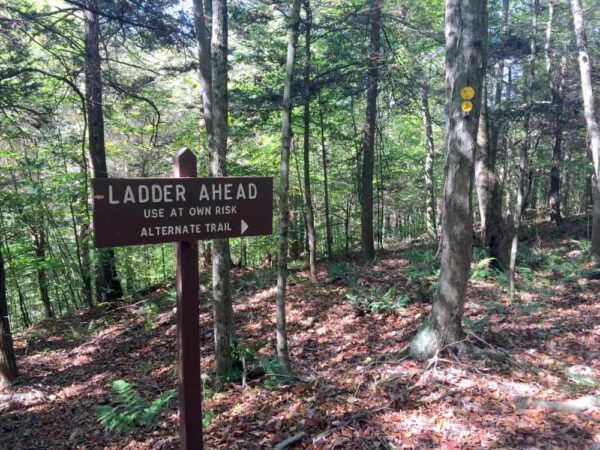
129, 409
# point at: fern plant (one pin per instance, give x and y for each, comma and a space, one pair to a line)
129, 410
376, 300
482, 269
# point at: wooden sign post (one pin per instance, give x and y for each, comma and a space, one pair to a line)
188, 329
183, 209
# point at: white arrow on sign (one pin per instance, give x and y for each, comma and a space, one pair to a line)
244, 226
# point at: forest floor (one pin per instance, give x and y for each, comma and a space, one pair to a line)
346, 332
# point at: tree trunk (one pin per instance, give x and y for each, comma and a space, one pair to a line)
522, 189
25, 318
488, 189
591, 119
465, 31
212, 55
39, 248
325, 185
82, 257
366, 181
205, 250
221, 258
380, 196
310, 217
557, 127
488, 185
108, 286
294, 225
347, 212
284, 171
8, 361
428, 172
84, 231
482, 167
557, 91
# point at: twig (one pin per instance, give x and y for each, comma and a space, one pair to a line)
507, 356
289, 441
359, 415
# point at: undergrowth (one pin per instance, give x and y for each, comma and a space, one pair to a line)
129, 410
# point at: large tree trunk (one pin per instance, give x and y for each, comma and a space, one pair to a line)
428, 172
308, 206
591, 119
221, 259
482, 167
8, 362
522, 188
488, 189
557, 127
557, 92
204, 58
488, 184
108, 286
284, 173
212, 55
465, 30
366, 182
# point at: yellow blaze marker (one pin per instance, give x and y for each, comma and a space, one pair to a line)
467, 93
467, 106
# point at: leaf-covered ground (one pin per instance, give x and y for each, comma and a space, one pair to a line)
355, 390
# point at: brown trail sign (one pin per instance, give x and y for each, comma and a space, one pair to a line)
135, 211
184, 209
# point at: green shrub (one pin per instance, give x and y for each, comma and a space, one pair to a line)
129, 410
374, 300
207, 414
241, 355
339, 270
150, 312
259, 279
423, 270
530, 257
482, 269
274, 371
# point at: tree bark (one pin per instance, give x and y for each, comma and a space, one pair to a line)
204, 58
428, 172
39, 248
308, 205
108, 286
465, 31
325, 185
221, 258
522, 189
82, 253
482, 168
366, 184
212, 55
284, 172
488, 184
488, 189
557, 92
591, 119
554, 200
8, 361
